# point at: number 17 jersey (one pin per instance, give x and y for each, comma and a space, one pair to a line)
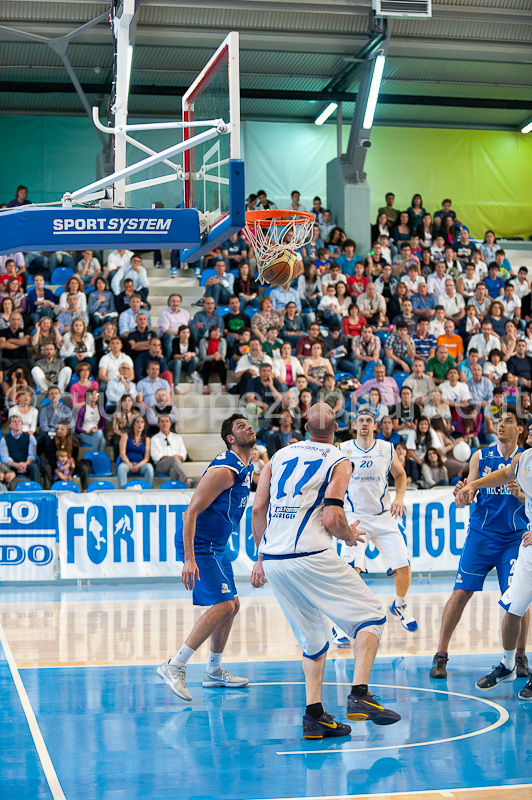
367, 492
300, 474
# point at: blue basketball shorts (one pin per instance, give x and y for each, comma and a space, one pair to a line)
482, 552
216, 582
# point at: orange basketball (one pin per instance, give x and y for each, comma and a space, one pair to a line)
283, 269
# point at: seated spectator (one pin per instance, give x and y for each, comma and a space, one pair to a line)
64, 467
424, 343
469, 424
437, 406
407, 316
213, 352
262, 392
122, 421
381, 227
420, 439
412, 279
50, 415
118, 387
446, 210
249, 364
401, 231
219, 286
353, 323
332, 395
235, 322
452, 341
21, 198
168, 452
18, 452
400, 350
481, 301
370, 302
134, 451
395, 303
245, 287
293, 326
127, 321
469, 325
285, 435
366, 348
89, 268
17, 376
263, 202
496, 316
494, 283
117, 259
101, 304
481, 388
357, 283
78, 345
147, 387
467, 363
436, 324
41, 301
436, 281
10, 271
336, 348
25, 410
66, 318
138, 340
420, 384
6, 307
452, 302
153, 353
404, 260
309, 286
110, 363
203, 320
122, 299
376, 260
519, 365
495, 368
280, 297
304, 343
135, 272
330, 307
65, 442
485, 341
387, 432
434, 472
14, 344
387, 387
50, 370
511, 304
386, 283
333, 276
447, 229
161, 406
455, 393
439, 366
406, 413
492, 415
316, 367
408, 464
348, 258
452, 266
426, 264
46, 332
272, 344
508, 342
62, 258
326, 225
102, 341
74, 286
344, 299
13, 290
424, 303
521, 283
90, 422
234, 251
37, 264
170, 321
467, 283
286, 367
184, 356
373, 404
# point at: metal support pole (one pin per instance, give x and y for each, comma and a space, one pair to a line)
339, 121
122, 87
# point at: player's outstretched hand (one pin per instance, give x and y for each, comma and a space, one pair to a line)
459, 486
465, 496
514, 488
190, 573
258, 578
397, 509
527, 539
356, 535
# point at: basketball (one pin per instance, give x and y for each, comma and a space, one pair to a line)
462, 451
283, 269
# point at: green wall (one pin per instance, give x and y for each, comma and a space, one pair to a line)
486, 173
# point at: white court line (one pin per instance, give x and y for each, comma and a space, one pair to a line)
406, 793
42, 750
503, 717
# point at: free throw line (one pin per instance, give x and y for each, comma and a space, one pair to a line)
42, 750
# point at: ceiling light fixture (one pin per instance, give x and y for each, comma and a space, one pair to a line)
371, 105
326, 114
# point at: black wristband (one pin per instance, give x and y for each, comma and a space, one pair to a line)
333, 501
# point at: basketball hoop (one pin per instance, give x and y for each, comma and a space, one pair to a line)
273, 232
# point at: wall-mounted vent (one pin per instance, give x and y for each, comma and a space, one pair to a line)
422, 9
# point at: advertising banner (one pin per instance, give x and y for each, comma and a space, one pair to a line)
131, 534
28, 530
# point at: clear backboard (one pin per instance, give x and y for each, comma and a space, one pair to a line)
213, 95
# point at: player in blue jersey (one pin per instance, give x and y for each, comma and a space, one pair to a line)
496, 527
201, 541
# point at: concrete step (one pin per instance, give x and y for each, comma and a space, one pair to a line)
206, 420
201, 447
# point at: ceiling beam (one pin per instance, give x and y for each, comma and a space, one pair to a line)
30, 87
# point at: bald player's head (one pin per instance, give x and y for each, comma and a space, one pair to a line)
321, 423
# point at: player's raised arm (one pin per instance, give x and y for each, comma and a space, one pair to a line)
397, 509
213, 483
334, 517
499, 477
259, 522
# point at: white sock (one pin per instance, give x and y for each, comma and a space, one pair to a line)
508, 658
182, 656
400, 601
215, 661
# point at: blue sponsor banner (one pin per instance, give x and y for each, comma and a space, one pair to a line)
26, 228
28, 533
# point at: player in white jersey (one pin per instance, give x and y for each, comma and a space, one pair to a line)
368, 499
518, 596
297, 511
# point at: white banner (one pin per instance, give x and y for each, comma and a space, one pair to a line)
28, 530
131, 534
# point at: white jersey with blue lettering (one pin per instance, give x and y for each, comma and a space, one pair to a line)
300, 474
524, 479
367, 492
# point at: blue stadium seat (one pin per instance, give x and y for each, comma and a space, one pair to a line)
251, 311
61, 275
59, 291
382, 335
369, 372
31, 281
97, 331
400, 378
101, 464
205, 275
173, 485
89, 289
97, 486
28, 486
223, 310
66, 486
137, 484
268, 291
342, 376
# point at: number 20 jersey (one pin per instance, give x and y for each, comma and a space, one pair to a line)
367, 492
300, 474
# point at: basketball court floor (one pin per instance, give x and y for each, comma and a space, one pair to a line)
85, 717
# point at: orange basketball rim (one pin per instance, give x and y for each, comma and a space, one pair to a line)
273, 231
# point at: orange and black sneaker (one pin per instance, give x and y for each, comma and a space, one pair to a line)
369, 708
325, 726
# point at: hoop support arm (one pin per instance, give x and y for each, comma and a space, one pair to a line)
156, 126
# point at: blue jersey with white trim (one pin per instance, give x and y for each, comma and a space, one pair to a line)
300, 474
497, 511
215, 525
367, 492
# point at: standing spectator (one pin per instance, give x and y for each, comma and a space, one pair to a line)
391, 212
135, 272
135, 454
78, 345
18, 451
439, 366
168, 452
234, 251
212, 353
90, 422
400, 350
204, 319
50, 370
14, 344
366, 348
452, 341
170, 321
481, 388
89, 268
101, 304
184, 356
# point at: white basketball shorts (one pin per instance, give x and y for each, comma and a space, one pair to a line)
518, 596
313, 590
383, 531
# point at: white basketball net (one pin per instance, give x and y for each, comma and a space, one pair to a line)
268, 237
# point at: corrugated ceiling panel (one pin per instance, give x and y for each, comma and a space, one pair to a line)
26, 10
455, 70
450, 90
487, 30
44, 102
498, 4
459, 116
